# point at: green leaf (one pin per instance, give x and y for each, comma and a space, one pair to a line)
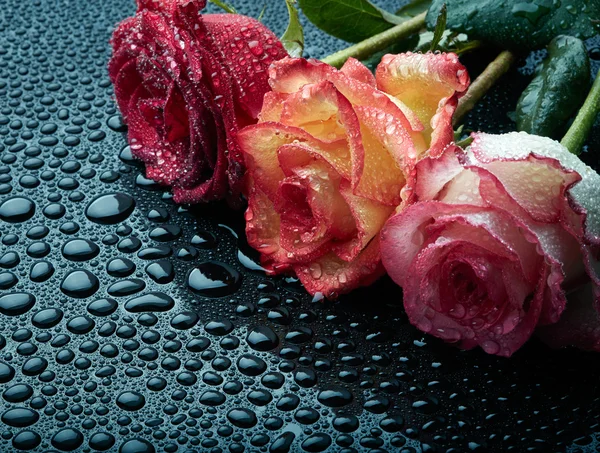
458, 133
293, 38
414, 8
558, 89
224, 6
350, 20
520, 25
450, 41
440, 28
461, 45
464, 142
262, 13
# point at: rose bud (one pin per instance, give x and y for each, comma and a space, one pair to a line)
498, 237
330, 156
185, 84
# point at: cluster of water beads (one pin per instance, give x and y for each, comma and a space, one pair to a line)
129, 324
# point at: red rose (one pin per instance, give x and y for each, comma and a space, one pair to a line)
185, 83
331, 154
498, 236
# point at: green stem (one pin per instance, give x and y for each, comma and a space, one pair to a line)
377, 42
575, 137
482, 84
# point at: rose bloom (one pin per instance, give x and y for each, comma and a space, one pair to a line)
331, 154
497, 238
185, 84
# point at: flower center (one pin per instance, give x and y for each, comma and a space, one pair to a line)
467, 287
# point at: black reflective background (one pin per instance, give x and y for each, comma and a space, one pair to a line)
130, 324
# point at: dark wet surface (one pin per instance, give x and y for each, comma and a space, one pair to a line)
130, 324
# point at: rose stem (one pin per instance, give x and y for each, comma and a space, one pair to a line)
377, 42
483, 83
575, 137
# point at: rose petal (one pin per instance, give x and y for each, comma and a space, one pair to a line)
318, 109
247, 49
429, 84
289, 75
272, 107
355, 69
381, 178
463, 189
176, 119
403, 236
302, 232
204, 77
316, 122
167, 6
492, 231
406, 233
563, 251
332, 276
434, 173
518, 190
477, 186
391, 134
369, 218
433, 308
518, 145
311, 209
261, 142
535, 183
302, 154
262, 231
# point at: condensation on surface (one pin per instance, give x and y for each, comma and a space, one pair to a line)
128, 323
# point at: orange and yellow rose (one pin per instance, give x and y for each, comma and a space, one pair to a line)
331, 154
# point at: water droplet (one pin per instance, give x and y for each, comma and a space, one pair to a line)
115, 122
120, 267
15, 304
80, 324
18, 393
80, 284
151, 302
7, 372
102, 441
41, 271
80, 250
185, 320
162, 272
109, 209
242, 418
251, 365
316, 442
126, 287
204, 240
131, 401
47, 318
335, 397
102, 307
165, 233
67, 439
137, 446
17, 209
20, 417
214, 279
26, 440
262, 338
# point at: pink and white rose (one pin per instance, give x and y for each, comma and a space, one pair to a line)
494, 241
